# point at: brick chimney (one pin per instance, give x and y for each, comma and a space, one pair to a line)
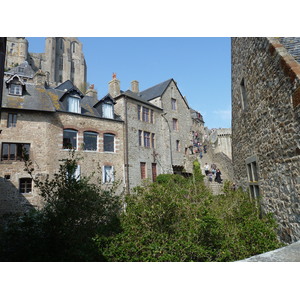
92, 92
135, 86
39, 78
114, 86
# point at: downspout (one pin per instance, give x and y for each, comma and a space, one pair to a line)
126, 148
171, 157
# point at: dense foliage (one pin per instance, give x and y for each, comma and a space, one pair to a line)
75, 211
178, 219
173, 219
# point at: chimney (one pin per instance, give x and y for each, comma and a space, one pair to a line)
39, 78
135, 86
114, 86
92, 92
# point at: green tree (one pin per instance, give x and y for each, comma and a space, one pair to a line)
178, 219
63, 230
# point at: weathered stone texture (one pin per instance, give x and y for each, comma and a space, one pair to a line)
268, 127
44, 132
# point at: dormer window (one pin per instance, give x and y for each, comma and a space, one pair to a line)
74, 104
107, 110
15, 89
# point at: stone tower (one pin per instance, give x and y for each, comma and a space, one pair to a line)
16, 51
64, 60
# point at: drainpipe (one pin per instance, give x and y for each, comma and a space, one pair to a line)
126, 148
171, 157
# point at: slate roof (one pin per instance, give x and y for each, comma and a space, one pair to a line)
154, 91
136, 96
27, 72
292, 44
40, 98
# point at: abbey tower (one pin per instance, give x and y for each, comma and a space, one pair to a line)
63, 59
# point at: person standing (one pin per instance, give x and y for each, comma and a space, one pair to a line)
206, 169
218, 176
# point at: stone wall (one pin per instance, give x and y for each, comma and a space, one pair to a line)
44, 132
265, 127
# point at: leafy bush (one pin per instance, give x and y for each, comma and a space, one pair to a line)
178, 219
63, 230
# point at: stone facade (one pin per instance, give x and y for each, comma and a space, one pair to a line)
265, 126
63, 59
158, 131
40, 120
220, 140
153, 130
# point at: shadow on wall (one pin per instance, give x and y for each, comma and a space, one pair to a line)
11, 200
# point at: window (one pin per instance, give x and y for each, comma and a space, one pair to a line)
175, 124
151, 116
107, 110
140, 137
25, 185
145, 114
11, 120
61, 44
73, 48
61, 63
139, 109
174, 104
154, 172
108, 174
147, 139
243, 95
72, 66
60, 78
90, 141
143, 170
70, 139
20, 69
15, 89
74, 104
14, 151
252, 177
153, 140
177, 145
109, 142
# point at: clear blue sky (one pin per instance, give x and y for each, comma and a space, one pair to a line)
200, 65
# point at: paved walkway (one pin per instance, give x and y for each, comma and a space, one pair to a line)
290, 253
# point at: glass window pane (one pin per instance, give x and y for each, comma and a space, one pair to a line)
90, 141
109, 142
5, 148
107, 109
74, 105
12, 151
70, 139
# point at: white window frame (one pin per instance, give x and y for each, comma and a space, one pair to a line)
108, 177
74, 104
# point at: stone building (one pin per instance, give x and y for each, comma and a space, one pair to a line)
266, 126
220, 140
132, 135
2, 62
63, 59
46, 123
158, 130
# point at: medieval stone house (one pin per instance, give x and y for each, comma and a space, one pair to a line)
46, 123
266, 125
158, 130
133, 136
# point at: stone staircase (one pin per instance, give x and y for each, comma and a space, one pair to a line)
209, 158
